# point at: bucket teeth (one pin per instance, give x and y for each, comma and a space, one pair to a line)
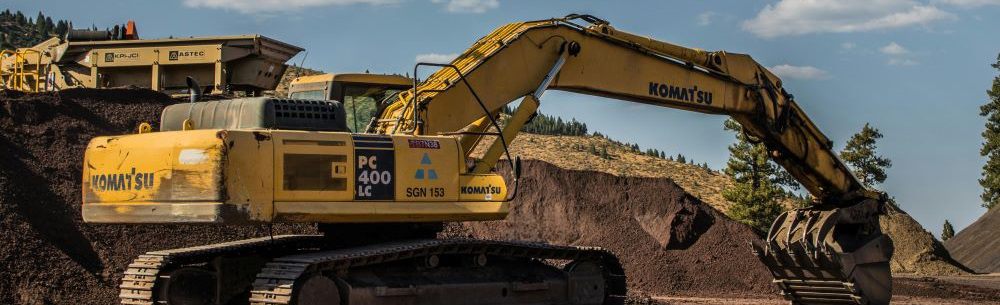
808, 266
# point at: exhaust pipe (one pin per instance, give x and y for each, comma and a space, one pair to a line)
196, 93
194, 89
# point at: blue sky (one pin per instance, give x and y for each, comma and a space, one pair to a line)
917, 70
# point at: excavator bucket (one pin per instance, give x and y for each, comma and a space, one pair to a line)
830, 256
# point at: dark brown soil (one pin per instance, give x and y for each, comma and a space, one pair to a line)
978, 245
48, 255
931, 287
669, 242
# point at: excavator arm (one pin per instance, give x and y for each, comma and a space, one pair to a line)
833, 251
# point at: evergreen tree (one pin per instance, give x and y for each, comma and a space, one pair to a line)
990, 180
758, 181
62, 27
40, 25
49, 26
681, 159
948, 231
757, 207
860, 153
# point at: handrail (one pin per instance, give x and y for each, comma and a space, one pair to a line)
19, 76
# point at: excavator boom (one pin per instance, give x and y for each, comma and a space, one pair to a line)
600, 60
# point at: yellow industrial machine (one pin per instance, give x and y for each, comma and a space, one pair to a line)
380, 197
95, 59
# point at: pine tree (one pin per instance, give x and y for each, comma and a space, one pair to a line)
990, 180
757, 207
49, 26
681, 159
948, 231
40, 26
860, 153
61, 27
758, 181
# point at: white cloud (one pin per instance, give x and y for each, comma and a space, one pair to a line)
894, 48
800, 72
265, 6
798, 17
968, 3
901, 62
469, 6
848, 46
436, 58
706, 18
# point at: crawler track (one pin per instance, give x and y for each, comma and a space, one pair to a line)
276, 283
149, 274
145, 275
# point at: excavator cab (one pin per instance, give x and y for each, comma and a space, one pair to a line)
360, 94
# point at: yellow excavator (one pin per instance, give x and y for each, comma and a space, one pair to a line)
380, 197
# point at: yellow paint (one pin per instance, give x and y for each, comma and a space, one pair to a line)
239, 176
146, 168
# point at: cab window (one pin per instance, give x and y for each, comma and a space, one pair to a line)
309, 95
361, 102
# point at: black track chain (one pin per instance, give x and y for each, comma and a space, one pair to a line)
275, 284
140, 279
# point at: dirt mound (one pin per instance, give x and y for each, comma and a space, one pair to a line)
917, 251
670, 242
49, 256
978, 245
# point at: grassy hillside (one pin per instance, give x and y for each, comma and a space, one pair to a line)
573, 152
20, 31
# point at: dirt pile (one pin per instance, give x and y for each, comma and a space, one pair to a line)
670, 242
917, 251
978, 245
48, 255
